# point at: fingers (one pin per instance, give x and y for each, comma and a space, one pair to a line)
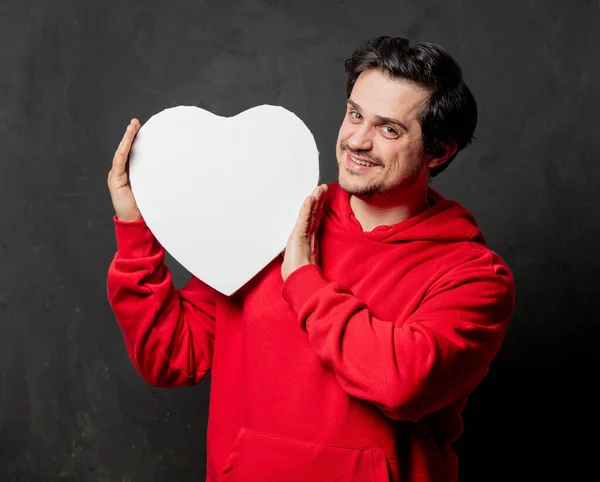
313, 212
321, 205
303, 222
317, 208
122, 153
309, 216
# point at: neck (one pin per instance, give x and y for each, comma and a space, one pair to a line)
372, 212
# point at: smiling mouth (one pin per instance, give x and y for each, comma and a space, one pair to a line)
362, 162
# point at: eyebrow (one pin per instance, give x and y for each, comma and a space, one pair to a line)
383, 120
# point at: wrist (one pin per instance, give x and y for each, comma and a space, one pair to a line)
129, 218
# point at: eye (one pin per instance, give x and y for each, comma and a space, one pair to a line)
355, 115
389, 131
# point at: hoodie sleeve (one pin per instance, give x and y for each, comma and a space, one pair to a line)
168, 333
409, 368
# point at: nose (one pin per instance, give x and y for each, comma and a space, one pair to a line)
361, 139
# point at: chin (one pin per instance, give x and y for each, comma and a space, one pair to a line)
358, 187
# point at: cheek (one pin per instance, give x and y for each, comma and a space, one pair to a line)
399, 153
388, 152
346, 130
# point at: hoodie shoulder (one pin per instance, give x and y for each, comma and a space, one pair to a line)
477, 262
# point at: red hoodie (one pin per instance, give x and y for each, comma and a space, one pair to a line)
354, 371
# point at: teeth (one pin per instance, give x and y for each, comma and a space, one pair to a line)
363, 163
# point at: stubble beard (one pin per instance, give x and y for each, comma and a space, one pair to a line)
376, 187
372, 188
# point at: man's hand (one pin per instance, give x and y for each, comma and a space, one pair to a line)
118, 178
302, 247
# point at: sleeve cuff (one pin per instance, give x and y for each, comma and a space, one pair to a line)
302, 284
134, 239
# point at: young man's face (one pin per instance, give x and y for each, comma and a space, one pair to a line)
379, 147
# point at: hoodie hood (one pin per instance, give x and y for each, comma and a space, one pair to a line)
445, 220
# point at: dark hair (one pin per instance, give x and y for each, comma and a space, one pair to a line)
451, 110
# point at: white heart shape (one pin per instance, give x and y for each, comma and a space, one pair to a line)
220, 194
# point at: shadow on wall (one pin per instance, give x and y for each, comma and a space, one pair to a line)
528, 419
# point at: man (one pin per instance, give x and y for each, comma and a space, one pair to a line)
350, 357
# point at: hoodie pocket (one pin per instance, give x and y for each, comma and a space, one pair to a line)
260, 457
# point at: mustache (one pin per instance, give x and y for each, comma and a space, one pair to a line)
364, 154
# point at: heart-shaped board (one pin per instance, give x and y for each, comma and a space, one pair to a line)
222, 194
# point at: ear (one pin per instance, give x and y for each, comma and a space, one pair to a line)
444, 152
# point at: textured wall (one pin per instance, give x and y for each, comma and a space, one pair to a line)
72, 407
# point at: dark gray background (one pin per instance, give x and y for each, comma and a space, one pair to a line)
72, 407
